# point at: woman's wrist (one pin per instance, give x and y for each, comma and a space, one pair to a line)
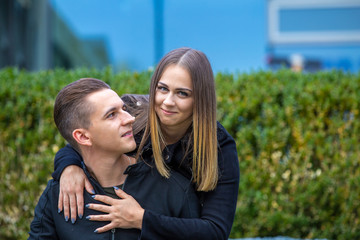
139, 217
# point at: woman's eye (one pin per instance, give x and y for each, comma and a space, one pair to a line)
162, 89
183, 94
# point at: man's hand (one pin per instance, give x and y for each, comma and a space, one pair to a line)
71, 199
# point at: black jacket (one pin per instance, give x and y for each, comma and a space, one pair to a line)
172, 197
218, 206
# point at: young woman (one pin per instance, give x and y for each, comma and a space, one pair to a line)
179, 132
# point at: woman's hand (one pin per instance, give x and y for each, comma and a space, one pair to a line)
122, 213
72, 182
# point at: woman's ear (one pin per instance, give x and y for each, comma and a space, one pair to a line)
82, 137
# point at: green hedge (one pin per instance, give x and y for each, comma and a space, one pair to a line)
297, 137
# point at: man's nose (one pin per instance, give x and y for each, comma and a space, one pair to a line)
127, 118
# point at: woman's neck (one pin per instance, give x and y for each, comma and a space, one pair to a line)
174, 134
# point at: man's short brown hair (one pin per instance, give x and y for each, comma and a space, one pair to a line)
72, 110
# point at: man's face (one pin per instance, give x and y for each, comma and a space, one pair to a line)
111, 126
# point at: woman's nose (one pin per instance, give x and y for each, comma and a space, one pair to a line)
169, 100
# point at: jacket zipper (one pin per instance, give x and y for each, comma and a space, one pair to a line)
113, 234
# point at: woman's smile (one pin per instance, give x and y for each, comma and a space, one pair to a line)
167, 112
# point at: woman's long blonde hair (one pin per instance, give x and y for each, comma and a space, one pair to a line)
203, 137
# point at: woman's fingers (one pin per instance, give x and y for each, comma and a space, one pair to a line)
104, 199
121, 193
99, 207
66, 205
60, 203
89, 188
122, 213
105, 228
99, 218
80, 205
72, 183
73, 207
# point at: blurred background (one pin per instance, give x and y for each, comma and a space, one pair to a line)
237, 36
303, 124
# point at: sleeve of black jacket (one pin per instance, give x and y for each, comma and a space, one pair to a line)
66, 156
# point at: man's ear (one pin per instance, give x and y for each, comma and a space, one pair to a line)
82, 137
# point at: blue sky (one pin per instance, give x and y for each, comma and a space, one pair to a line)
231, 33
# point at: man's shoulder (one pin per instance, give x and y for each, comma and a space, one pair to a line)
51, 188
49, 194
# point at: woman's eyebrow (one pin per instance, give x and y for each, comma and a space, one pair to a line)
182, 89
162, 84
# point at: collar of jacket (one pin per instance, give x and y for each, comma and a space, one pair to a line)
173, 155
134, 169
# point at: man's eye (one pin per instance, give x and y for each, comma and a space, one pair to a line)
111, 115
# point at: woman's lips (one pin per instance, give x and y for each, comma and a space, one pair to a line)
167, 112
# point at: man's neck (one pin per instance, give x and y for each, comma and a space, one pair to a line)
107, 170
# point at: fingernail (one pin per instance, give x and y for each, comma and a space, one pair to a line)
93, 191
87, 205
93, 196
96, 231
72, 220
80, 216
116, 188
66, 218
88, 217
59, 211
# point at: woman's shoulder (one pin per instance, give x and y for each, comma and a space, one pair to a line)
227, 154
135, 99
226, 144
137, 106
223, 136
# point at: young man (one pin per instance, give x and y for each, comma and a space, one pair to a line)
94, 120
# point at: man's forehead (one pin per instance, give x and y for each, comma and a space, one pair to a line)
103, 94
104, 99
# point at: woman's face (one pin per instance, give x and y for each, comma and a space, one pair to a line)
174, 98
